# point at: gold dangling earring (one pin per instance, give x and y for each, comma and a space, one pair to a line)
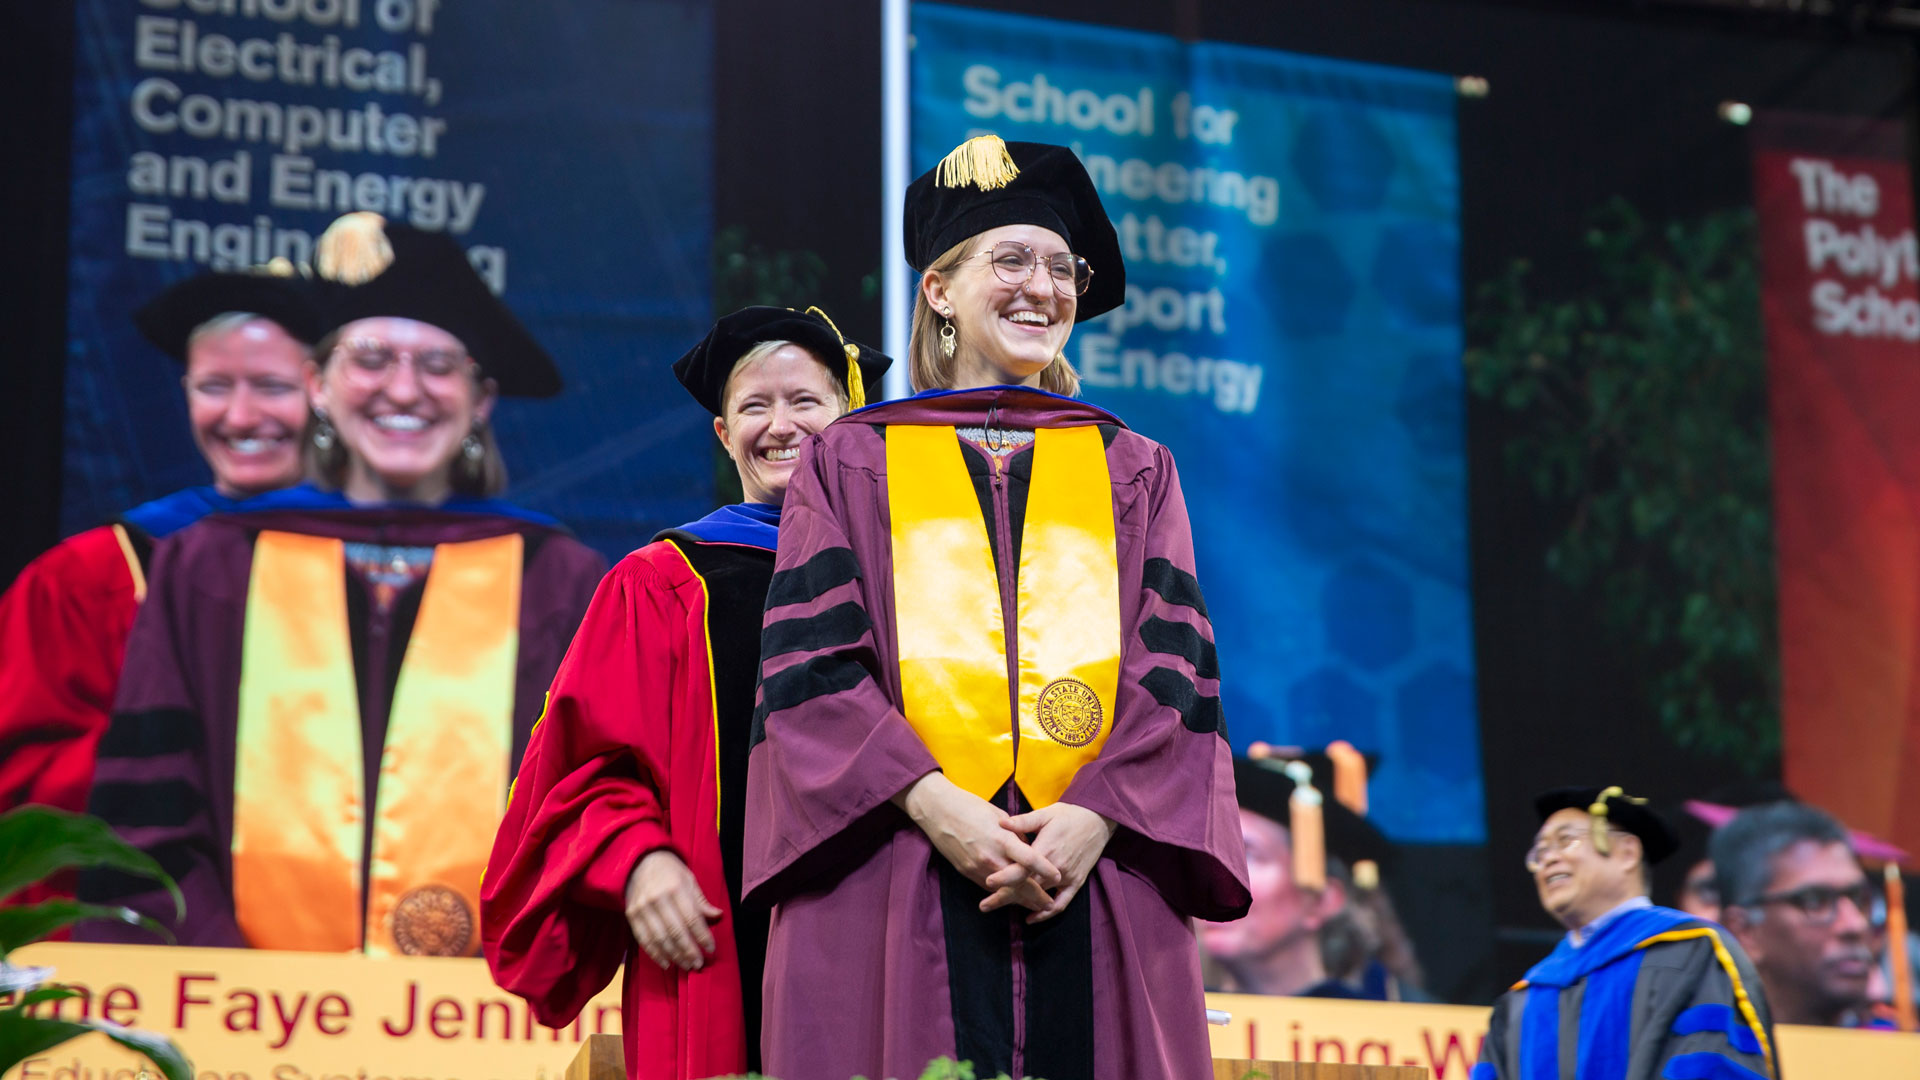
948, 338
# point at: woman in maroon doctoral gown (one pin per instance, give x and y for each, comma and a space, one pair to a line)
326, 689
990, 787
625, 823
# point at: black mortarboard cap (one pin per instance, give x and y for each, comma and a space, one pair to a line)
1657, 838
706, 366
1265, 789
369, 267
169, 319
986, 183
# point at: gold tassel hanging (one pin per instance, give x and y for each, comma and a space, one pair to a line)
1308, 829
982, 161
354, 250
1598, 810
1349, 776
856, 385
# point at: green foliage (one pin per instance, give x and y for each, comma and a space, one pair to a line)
35, 842
1641, 415
744, 274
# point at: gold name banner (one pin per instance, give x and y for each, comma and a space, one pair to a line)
243, 1014
1445, 1039
254, 1015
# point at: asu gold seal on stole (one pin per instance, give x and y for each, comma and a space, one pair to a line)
1069, 712
433, 920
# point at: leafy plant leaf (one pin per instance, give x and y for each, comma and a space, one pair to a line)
23, 1036
37, 842
22, 925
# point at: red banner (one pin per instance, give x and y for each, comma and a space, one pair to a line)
1842, 314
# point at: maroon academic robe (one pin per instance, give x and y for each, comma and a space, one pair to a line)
877, 958
165, 770
643, 748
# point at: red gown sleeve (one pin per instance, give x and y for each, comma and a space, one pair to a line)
588, 802
63, 631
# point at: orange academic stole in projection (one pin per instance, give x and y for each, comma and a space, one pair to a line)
299, 812
954, 673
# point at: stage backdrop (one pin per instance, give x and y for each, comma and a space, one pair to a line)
1292, 332
565, 145
1842, 312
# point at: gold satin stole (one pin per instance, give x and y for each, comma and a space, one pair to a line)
1041, 715
299, 817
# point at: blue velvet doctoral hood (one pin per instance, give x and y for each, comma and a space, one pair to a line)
747, 523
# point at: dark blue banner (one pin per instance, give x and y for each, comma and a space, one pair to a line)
1292, 331
567, 146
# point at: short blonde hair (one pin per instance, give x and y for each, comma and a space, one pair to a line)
764, 349
930, 369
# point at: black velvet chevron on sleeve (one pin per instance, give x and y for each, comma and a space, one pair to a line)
1177, 692
100, 886
841, 624
150, 734
135, 804
1179, 639
809, 679
828, 569
1174, 585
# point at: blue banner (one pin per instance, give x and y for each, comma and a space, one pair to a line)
567, 147
1293, 332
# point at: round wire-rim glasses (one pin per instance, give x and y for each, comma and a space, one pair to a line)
1013, 262
372, 363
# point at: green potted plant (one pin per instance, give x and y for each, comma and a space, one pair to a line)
37, 842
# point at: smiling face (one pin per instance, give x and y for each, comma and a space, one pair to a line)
1007, 333
247, 404
402, 423
773, 403
1576, 883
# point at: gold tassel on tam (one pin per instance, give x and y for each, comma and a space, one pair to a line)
982, 161
856, 386
1598, 810
354, 250
1349, 776
1308, 826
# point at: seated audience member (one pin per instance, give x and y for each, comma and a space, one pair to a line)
1634, 991
1304, 912
1688, 876
1793, 892
326, 694
242, 340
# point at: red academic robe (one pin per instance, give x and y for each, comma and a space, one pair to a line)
629, 759
63, 632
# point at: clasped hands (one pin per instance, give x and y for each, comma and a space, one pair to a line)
991, 847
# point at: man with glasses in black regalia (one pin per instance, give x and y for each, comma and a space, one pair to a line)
1793, 892
1634, 991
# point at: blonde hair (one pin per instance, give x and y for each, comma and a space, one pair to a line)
930, 369
762, 350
